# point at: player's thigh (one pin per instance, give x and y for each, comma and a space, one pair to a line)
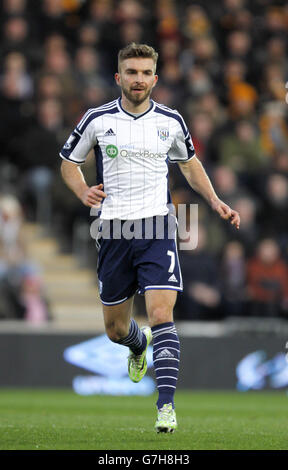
159, 305
116, 274
117, 318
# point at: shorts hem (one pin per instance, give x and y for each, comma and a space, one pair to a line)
163, 288
117, 302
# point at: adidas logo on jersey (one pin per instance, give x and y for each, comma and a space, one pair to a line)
172, 278
164, 353
110, 132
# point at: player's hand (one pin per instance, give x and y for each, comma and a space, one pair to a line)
226, 212
93, 196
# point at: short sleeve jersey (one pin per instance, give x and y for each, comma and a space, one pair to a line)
132, 155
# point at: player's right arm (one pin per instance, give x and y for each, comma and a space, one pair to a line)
74, 154
74, 179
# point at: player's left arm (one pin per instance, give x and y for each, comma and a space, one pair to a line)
198, 179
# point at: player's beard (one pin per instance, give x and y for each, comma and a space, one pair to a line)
136, 98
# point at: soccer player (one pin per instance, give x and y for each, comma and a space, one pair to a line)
134, 138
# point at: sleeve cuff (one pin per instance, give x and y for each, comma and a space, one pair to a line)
71, 160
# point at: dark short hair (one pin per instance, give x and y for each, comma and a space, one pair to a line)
137, 50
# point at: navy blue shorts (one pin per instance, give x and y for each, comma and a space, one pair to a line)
147, 260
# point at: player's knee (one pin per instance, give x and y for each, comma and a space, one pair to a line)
160, 315
116, 332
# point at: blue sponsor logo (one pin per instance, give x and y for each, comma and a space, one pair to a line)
255, 372
109, 360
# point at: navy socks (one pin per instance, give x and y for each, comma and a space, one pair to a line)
166, 356
135, 340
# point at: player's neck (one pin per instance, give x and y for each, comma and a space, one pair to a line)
132, 108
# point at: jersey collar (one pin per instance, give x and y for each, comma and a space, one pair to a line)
152, 106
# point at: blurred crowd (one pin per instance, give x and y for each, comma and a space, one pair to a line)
223, 65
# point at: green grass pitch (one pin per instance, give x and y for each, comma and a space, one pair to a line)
62, 420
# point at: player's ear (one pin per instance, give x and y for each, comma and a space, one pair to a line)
117, 78
155, 80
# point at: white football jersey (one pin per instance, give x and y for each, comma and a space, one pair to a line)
132, 155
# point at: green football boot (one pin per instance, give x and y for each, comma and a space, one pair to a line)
166, 420
137, 364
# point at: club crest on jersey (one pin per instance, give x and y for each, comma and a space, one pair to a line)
163, 133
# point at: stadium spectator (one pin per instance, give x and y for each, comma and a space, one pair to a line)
131, 31
53, 19
15, 105
202, 126
172, 78
170, 49
242, 99
100, 11
196, 22
273, 128
267, 281
88, 70
239, 45
228, 12
15, 35
88, 35
43, 137
233, 280
274, 20
16, 269
35, 305
272, 84
201, 298
242, 150
130, 10
168, 21
14, 7
250, 231
276, 51
209, 103
15, 70
58, 61
234, 71
198, 82
162, 93
280, 162
48, 86
206, 55
227, 184
273, 215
